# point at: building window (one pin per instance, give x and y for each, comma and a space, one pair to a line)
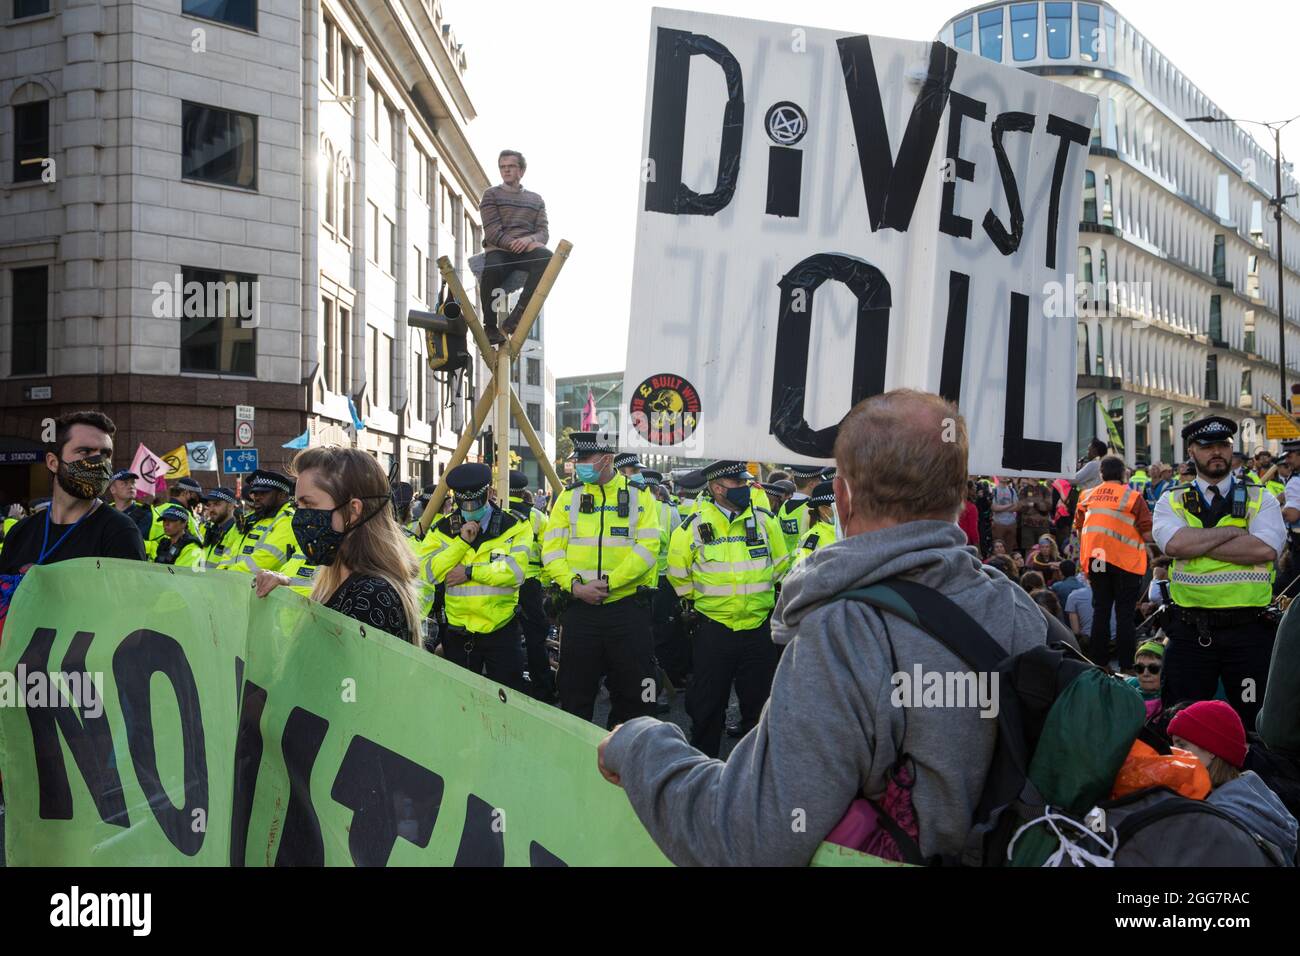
1142, 429
1247, 394
417, 384
1089, 196
337, 320
1107, 206
1211, 378
444, 202
991, 34
1116, 415
1216, 319
535, 415
386, 251
218, 146
1085, 291
330, 39
1024, 31
1058, 20
372, 226
236, 13
1090, 37
221, 338
31, 140
421, 173
331, 174
381, 121
30, 8
961, 34
347, 67
1086, 421
1085, 356
534, 372
330, 337
30, 322
1167, 435
1220, 263
1102, 293
1110, 45
345, 203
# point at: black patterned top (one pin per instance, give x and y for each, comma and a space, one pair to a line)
372, 601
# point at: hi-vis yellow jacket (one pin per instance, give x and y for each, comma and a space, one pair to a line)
728, 564
496, 562
819, 535
609, 530
537, 521
268, 544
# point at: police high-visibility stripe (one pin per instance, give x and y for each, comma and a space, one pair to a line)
819, 535
1210, 583
600, 542
1110, 527
268, 544
730, 570
488, 600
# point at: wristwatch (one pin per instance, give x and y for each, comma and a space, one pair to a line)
469, 572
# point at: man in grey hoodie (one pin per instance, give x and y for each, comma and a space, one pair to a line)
830, 730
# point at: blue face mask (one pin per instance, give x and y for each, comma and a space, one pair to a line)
637, 480
478, 515
588, 474
739, 498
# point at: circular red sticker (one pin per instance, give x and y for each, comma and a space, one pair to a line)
665, 409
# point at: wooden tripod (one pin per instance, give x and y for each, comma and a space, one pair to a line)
499, 391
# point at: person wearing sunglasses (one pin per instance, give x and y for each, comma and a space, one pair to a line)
1147, 664
78, 523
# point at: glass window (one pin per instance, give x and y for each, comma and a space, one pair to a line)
221, 337
1103, 282
1220, 265
386, 251
331, 42
1091, 39
535, 415
1216, 318
345, 203
347, 66
1211, 378
331, 173
1024, 31
237, 13
1085, 356
30, 8
962, 34
1096, 128
345, 351
1116, 415
1107, 206
1167, 435
1086, 417
1246, 391
30, 321
331, 343
534, 372
31, 140
1085, 264
218, 146
1142, 427
1058, 17
1110, 42
991, 34
1090, 196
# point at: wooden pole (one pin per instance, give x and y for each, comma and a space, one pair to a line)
503, 391
467, 309
535, 444
481, 408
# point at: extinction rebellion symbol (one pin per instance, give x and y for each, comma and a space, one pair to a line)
665, 409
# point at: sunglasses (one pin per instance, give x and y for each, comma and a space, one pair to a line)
1149, 668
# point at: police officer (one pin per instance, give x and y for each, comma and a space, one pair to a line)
1291, 511
793, 515
480, 553
532, 610
188, 494
672, 647
1140, 481
723, 561
121, 487
179, 547
821, 509
689, 487
601, 550
222, 536
1224, 535
778, 492
268, 541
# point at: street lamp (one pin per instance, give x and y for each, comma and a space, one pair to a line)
1276, 202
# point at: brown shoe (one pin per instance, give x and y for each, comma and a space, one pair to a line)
494, 336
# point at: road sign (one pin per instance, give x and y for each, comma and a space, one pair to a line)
243, 434
1279, 427
238, 461
244, 413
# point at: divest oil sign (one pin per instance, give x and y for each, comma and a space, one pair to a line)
825, 216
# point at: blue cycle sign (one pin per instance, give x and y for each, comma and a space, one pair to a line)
238, 461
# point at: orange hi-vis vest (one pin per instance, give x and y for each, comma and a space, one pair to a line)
1109, 530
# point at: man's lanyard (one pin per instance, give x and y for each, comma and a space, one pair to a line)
63, 537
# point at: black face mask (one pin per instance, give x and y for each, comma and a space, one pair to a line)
85, 479
314, 530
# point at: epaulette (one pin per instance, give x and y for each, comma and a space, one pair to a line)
573, 484
764, 511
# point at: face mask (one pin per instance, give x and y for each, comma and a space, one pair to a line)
839, 529
85, 479
739, 498
478, 515
588, 474
314, 530
637, 480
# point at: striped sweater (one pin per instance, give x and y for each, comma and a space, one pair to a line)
512, 213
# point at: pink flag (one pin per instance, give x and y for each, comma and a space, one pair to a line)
589, 412
151, 470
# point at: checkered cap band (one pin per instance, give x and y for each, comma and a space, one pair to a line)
220, 494
268, 483
724, 469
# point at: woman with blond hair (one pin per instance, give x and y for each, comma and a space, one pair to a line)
345, 526
1046, 559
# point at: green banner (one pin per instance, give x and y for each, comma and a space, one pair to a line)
219, 729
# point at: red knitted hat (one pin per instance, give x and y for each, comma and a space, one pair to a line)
1215, 726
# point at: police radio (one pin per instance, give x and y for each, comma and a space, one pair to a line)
586, 504
751, 533
706, 533
624, 503
1239, 498
1192, 500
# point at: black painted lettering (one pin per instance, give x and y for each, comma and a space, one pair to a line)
1019, 452
300, 841
1068, 133
954, 339
405, 804
248, 759
1008, 240
960, 106
481, 843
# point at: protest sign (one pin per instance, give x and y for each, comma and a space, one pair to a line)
151, 469
825, 216
222, 729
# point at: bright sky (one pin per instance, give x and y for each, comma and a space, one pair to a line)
564, 82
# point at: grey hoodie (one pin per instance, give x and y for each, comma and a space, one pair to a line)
1250, 800
829, 732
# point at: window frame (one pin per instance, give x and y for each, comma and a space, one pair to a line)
1032, 21
193, 274
227, 23
1051, 21
30, 173
20, 332
987, 15
968, 34
191, 178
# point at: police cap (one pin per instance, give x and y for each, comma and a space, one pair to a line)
175, 513
723, 469
1209, 430
591, 443
189, 484
221, 494
1290, 445
518, 481
823, 494
267, 480
652, 477
624, 459
470, 481
690, 481
804, 471
125, 474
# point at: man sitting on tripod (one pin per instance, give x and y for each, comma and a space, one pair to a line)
514, 237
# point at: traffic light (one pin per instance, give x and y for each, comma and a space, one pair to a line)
445, 333
489, 447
